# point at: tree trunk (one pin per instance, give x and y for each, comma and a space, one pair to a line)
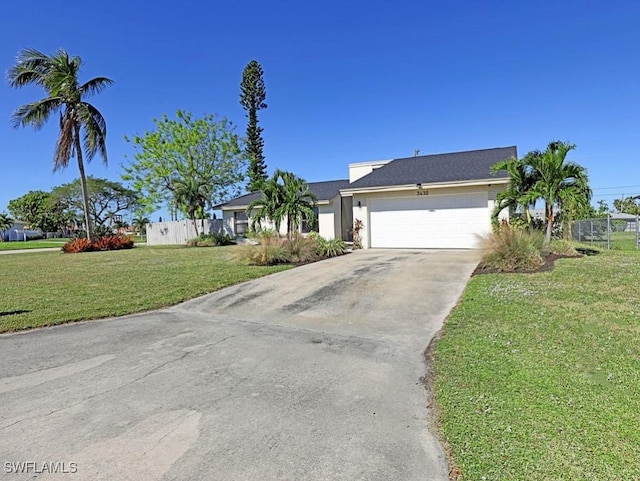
83, 183
195, 224
547, 236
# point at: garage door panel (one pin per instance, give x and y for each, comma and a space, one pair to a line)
437, 221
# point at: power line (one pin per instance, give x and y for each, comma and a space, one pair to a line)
619, 187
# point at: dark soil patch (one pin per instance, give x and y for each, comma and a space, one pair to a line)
549, 262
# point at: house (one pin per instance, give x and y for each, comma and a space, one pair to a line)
427, 201
328, 210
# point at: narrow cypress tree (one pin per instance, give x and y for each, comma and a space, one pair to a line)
252, 97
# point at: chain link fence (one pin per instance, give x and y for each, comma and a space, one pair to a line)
616, 231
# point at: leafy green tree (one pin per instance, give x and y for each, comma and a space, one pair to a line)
557, 182
252, 99
39, 210
82, 126
284, 196
186, 151
108, 200
627, 205
6, 222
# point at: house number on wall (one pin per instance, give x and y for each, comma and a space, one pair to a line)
423, 192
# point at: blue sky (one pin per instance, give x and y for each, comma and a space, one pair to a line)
346, 81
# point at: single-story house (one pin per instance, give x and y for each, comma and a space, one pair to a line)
426, 201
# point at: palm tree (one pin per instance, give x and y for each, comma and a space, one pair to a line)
5, 223
139, 223
192, 195
266, 207
298, 202
557, 182
521, 180
284, 196
58, 75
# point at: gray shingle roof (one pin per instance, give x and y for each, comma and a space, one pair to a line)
429, 169
324, 191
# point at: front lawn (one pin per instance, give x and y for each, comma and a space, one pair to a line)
32, 244
537, 376
43, 289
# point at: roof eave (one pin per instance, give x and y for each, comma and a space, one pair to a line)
244, 207
435, 185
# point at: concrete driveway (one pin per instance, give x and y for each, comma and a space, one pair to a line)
308, 374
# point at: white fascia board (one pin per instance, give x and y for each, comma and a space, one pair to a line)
234, 207
370, 162
438, 185
244, 207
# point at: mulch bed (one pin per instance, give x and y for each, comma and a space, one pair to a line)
549, 262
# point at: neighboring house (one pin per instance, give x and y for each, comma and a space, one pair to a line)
427, 201
17, 232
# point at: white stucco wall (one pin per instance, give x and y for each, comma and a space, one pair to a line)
360, 169
326, 225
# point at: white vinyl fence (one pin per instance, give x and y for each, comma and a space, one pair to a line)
180, 231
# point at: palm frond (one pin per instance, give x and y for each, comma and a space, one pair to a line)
95, 86
94, 130
66, 142
35, 114
30, 68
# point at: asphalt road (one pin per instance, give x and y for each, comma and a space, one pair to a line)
308, 374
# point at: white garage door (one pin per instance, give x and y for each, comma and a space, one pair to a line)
430, 221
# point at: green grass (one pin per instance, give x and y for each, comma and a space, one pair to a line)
32, 244
43, 289
537, 376
625, 241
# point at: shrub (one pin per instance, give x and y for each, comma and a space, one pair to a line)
102, 231
269, 250
358, 225
299, 249
113, 242
79, 244
331, 247
563, 248
211, 240
104, 243
509, 249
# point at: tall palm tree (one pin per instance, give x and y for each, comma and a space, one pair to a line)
58, 75
557, 182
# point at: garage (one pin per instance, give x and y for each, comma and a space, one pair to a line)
445, 221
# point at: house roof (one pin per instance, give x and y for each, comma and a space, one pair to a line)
324, 191
438, 168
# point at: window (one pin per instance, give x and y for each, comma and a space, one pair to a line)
307, 227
